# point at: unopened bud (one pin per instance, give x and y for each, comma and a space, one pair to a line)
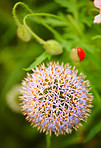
53, 47
77, 54
12, 98
23, 34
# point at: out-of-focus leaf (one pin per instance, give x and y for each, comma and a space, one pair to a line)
10, 27
93, 132
8, 35
96, 37
70, 3
88, 20
64, 3
97, 96
38, 60
82, 3
73, 140
54, 22
17, 72
48, 7
73, 6
88, 47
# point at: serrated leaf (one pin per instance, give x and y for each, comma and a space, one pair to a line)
71, 5
63, 3
93, 132
82, 3
38, 60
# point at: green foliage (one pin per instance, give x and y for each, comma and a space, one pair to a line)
93, 132
71, 24
38, 60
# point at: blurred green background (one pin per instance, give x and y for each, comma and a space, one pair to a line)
75, 30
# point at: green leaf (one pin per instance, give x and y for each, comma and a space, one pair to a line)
96, 37
93, 132
38, 60
71, 5
47, 7
64, 3
54, 22
72, 140
22, 59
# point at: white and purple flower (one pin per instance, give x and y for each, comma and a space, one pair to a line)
55, 98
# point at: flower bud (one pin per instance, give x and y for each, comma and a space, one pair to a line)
12, 98
23, 34
77, 54
53, 47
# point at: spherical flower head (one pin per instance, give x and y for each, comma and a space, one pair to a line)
97, 3
55, 98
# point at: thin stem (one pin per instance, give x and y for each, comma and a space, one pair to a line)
46, 25
48, 141
41, 14
41, 41
14, 12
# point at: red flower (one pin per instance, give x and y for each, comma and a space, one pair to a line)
81, 53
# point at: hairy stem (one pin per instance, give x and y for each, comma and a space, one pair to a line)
14, 12
41, 41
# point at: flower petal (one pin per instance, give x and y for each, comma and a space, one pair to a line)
97, 3
97, 19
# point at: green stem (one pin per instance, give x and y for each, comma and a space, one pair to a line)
48, 141
46, 25
41, 41
14, 12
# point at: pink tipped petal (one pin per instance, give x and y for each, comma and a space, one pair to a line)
97, 19
97, 3
100, 11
